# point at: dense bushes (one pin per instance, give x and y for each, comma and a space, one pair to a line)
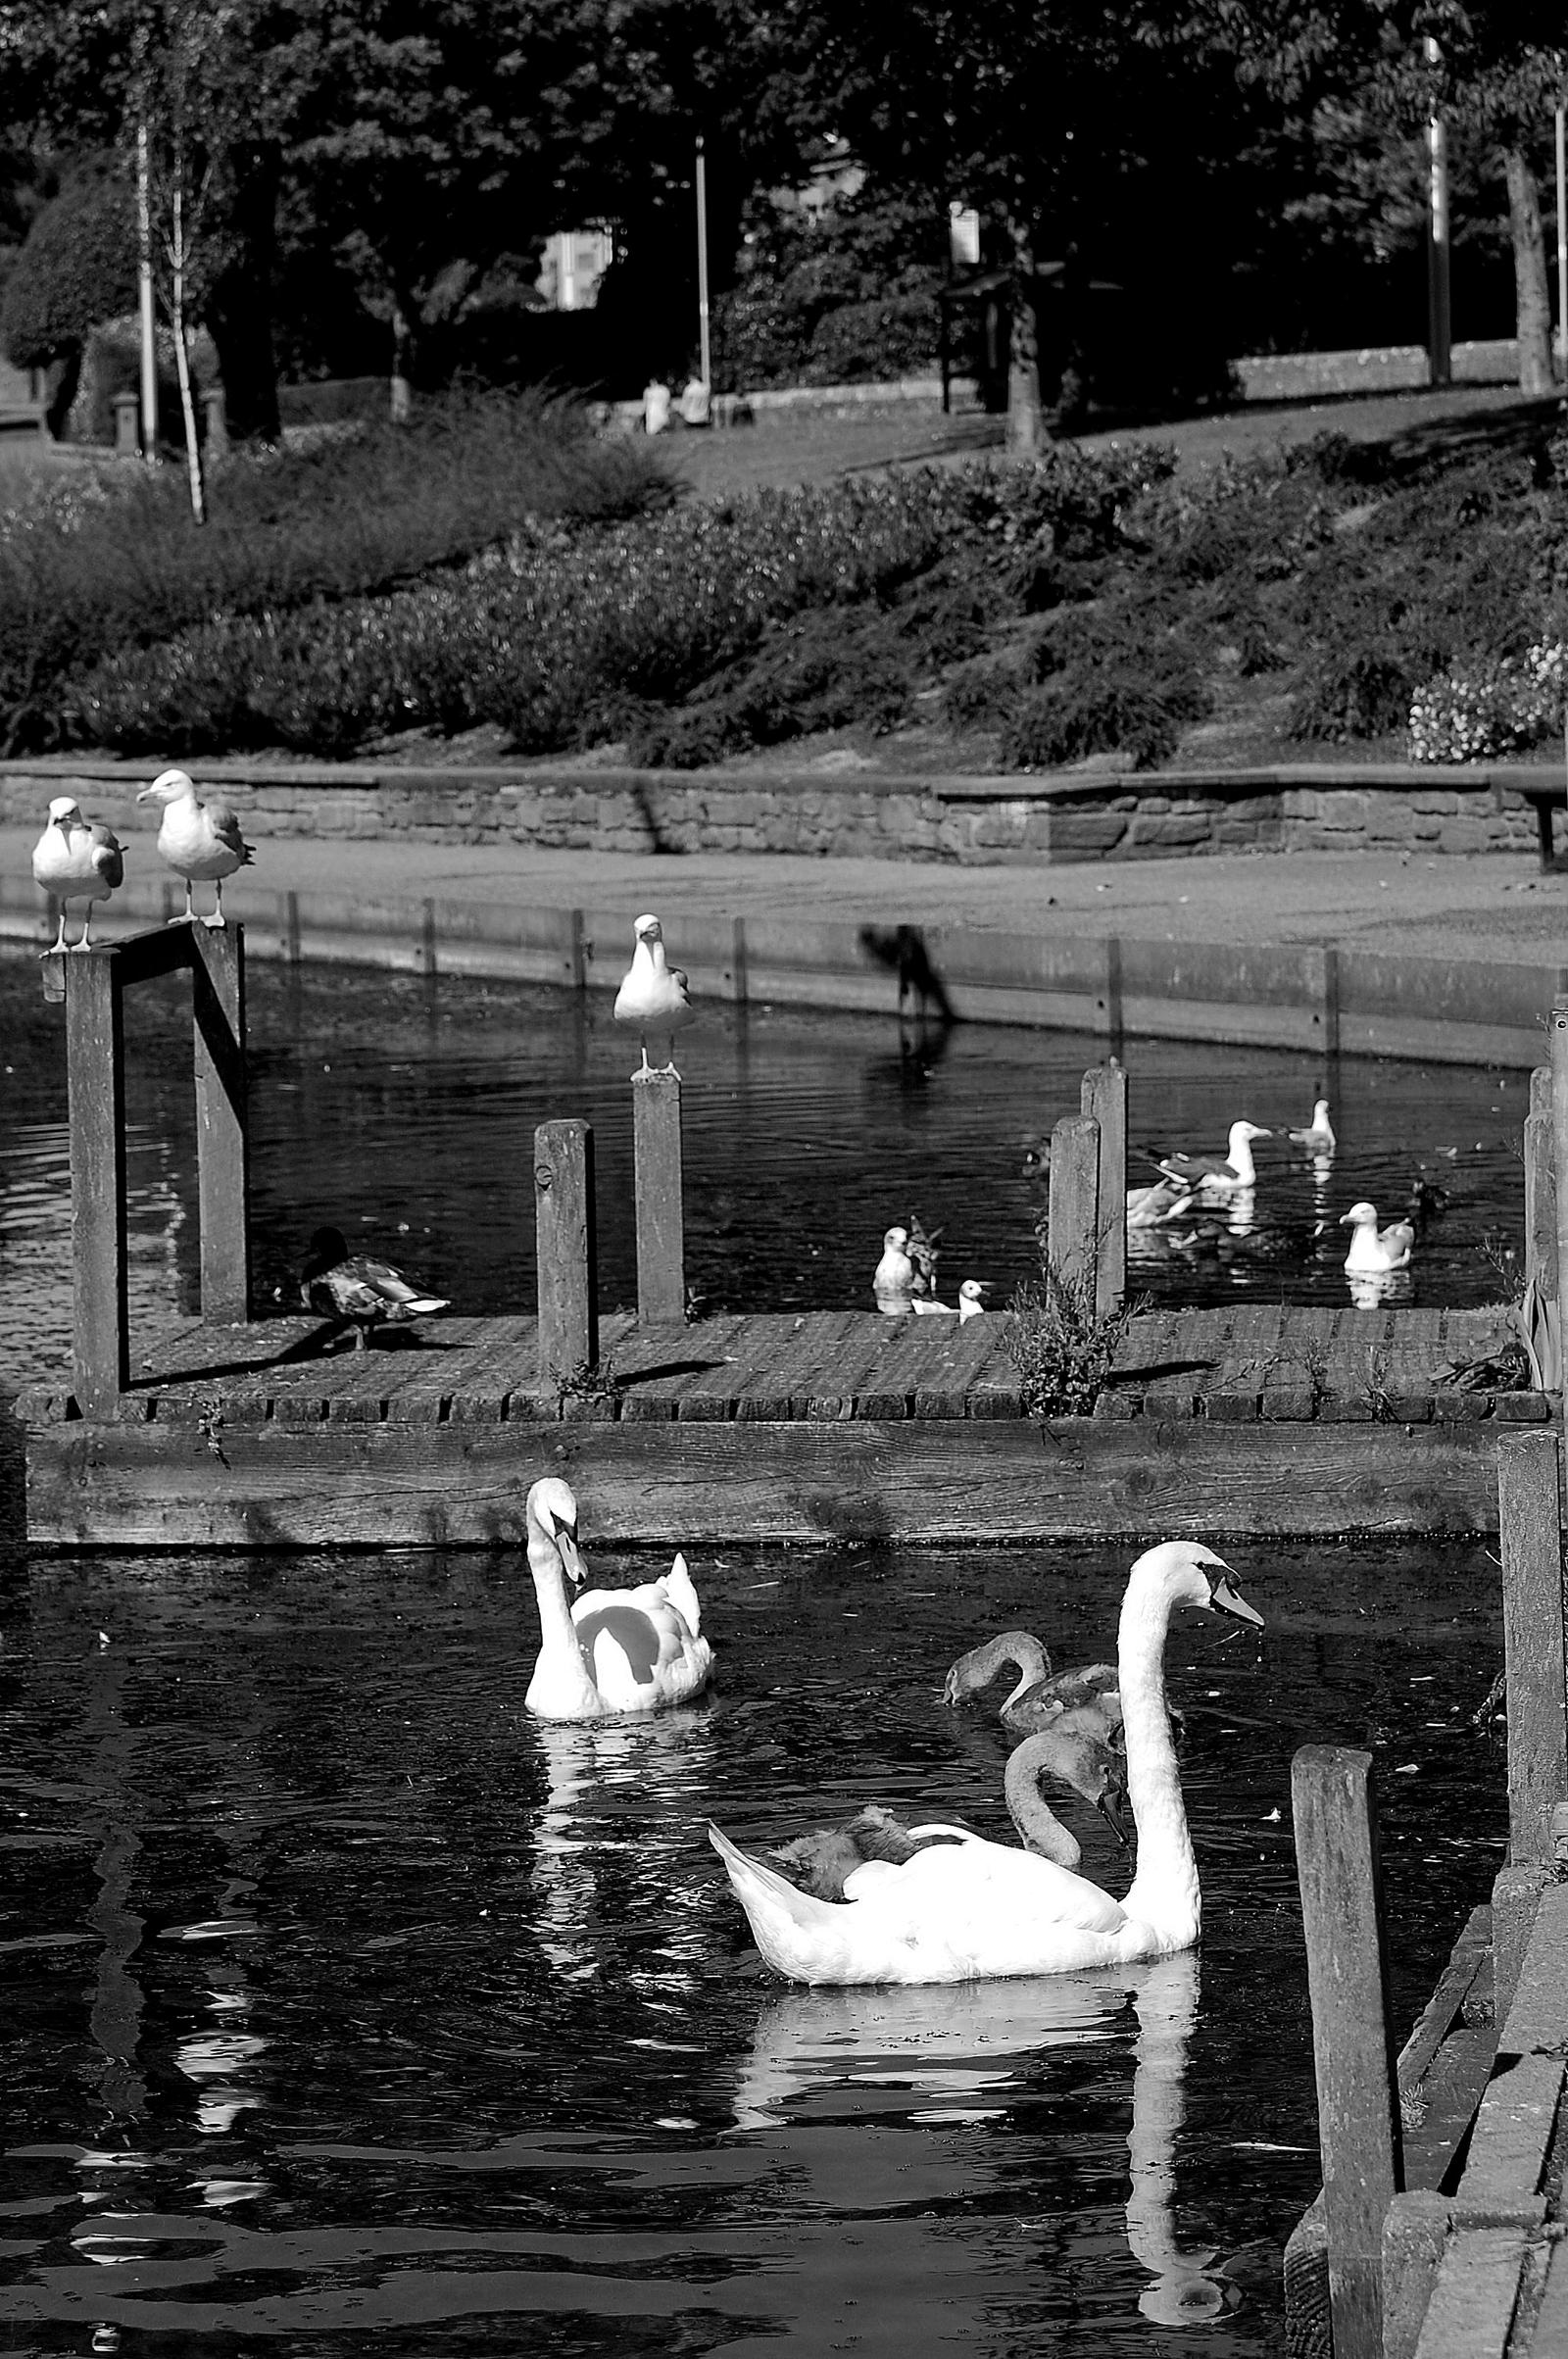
352, 514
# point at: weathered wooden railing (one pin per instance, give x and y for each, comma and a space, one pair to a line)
94, 984
1419, 2264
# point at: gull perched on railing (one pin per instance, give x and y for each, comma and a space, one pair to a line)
653, 994
967, 1306
76, 861
197, 838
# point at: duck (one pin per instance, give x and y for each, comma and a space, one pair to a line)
1374, 1250
923, 1245
76, 861
820, 1862
359, 1288
1216, 1176
1319, 1136
973, 1909
653, 994
1040, 1698
613, 1650
198, 840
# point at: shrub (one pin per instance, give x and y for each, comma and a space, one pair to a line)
1062, 1350
1498, 707
1112, 708
76, 269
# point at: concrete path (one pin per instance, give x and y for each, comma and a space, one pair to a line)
1476, 907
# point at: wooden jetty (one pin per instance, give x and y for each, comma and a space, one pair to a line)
235, 1431
1442, 2230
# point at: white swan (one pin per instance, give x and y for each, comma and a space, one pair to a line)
76, 861
1040, 1697
1374, 1250
1218, 1175
197, 838
615, 1649
652, 994
976, 1908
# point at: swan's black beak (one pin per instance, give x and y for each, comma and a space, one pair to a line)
567, 1548
1225, 1597
1110, 1806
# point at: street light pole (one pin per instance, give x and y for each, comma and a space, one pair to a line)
702, 268
144, 288
1562, 247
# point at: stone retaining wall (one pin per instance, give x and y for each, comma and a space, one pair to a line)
980, 820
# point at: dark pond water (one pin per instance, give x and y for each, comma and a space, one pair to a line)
348, 2011
403, 1111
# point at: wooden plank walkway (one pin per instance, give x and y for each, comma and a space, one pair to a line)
790, 1426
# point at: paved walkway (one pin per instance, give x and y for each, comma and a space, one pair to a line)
1476, 907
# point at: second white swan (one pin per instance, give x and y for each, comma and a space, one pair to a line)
615, 1649
970, 1909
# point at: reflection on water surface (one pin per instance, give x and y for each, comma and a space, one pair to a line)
355, 2013
403, 1113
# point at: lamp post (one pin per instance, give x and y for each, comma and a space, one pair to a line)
144, 288
1439, 369
702, 268
1562, 246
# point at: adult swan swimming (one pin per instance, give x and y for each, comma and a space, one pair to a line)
615, 1649
969, 1910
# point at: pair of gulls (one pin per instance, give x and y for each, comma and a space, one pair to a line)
873, 1900
1188, 1179
76, 861
904, 1278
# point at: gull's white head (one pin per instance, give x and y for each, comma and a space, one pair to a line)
1358, 1216
168, 787
649, 929
1247, 1130
972, 1288
63, 811
895, 1240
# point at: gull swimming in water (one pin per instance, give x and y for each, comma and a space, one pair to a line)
1374, 1250
198, 840
76, 861
1318, 1137
1218, 1175
1163, 1199
653, 994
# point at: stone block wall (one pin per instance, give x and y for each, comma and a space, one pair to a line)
1165, 816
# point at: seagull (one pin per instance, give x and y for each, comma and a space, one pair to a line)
895, 1272
1318, 1137
76, 861
357, 1288
197, 838
653, 994
1216, 1176
1163, 1200
967, 1306
1374, 1249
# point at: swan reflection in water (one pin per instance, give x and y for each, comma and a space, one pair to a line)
611, 1841
965, 2052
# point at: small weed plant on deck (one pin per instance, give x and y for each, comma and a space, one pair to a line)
1060, 1347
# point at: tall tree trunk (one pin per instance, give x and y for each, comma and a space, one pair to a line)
1025, 429
240, 311
1532, 298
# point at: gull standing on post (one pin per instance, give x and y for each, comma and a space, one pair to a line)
653, 994
197, 838
76, 862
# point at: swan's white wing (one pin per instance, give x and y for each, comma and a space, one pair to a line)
991, 1882
614, 1676
679, 1587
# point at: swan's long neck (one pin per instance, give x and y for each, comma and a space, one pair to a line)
558, 1631
1025, 1653
1037, 1822
1165, 1891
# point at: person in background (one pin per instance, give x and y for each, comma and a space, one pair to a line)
694, 409
656, 406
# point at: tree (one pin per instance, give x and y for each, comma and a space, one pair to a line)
75, 270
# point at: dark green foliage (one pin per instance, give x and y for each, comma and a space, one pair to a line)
848, 297
1060, 1347
76, 269
824, 670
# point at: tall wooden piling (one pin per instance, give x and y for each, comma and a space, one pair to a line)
95, 1080
1559, 1034
1104, 1096
223, 1145
1332, 1798
1073, 1209
660, 1223
1529, 1522
1540, 1187
568, 1258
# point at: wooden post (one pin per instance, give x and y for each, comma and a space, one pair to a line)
222, 1139
1531, 1527
1332, 1800
95, 1063
1104, 1096
1073, 1204
569, 1265
1541, 1188
661, 1229
1558, 1032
